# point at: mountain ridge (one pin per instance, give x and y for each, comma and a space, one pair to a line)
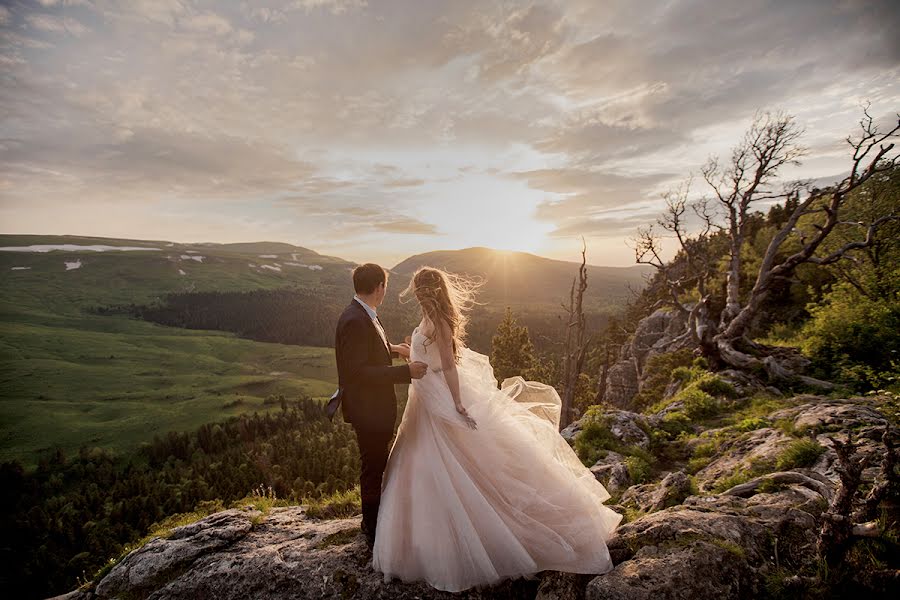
287, 247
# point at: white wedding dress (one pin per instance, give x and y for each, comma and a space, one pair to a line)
463, 507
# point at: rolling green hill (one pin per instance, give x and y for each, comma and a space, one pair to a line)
65, 281
71, 377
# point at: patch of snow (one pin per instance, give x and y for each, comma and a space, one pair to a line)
192, 251
70, 248
314, 268
170, 244
73, 265
296, 264
268, 256
278, 372
271, 267
189, 257
252, 265
19, 268
180, 272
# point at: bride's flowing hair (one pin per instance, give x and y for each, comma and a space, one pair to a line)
444, 296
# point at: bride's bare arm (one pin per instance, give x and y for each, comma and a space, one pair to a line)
444, 341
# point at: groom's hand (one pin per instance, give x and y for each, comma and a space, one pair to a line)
417, 369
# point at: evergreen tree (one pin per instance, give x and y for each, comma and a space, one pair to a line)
511, 350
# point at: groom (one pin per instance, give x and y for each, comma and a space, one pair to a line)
366, 384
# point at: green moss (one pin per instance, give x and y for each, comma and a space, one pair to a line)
729, 546
786, 426
732, 480
338, 538
756, 468
761, 405
629, 515
752, 424
799, 454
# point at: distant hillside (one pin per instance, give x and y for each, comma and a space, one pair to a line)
87, 271
519, 278
273, 291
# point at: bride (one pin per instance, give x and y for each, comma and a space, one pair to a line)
480, 486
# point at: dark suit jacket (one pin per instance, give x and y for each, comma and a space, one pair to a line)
365, 373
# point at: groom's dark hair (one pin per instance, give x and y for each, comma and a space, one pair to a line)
367, 277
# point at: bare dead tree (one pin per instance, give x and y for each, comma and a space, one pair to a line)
770, 144
576, 343
840, 523
837, 526
699, 266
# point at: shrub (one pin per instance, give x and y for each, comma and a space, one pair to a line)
697, 464
595, 438
799, 454
675, 423
683, 374
658, 372
697, 403
638, 469
339, 505
714, 385
697, 393
849, 329
706, 448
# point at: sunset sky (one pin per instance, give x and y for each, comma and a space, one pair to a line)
376, 130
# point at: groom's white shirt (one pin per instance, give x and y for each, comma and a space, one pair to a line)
374, 316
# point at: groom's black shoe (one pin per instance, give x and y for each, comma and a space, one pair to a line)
366, 530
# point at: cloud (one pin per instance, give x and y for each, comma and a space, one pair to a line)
406, 226
206, 22
54, 24
369, 119
412, 182
335, 7
592, 202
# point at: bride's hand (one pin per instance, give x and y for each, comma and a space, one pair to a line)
401, 349
465, 415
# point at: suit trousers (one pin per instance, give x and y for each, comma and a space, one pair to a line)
374, 447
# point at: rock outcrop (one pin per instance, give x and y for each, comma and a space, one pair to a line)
715, 547
688, 538
238, 554
655, 334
